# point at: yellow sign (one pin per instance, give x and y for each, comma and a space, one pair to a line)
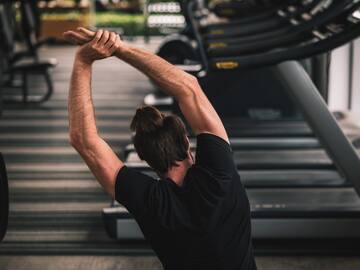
217, 45
217, 32
227, 65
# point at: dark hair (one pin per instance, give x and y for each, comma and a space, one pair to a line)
159, 139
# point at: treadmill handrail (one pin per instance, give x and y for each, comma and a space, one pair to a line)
304, 94
195, 29
293, 32
295, 53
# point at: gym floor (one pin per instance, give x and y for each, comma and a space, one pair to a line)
55, 202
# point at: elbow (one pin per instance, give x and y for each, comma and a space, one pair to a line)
81, 142
75, 141
192, 86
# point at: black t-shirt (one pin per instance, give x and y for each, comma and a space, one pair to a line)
203, 224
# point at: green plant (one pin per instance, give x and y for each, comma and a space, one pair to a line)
68, 16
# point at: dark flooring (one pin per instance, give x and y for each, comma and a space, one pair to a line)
55, 214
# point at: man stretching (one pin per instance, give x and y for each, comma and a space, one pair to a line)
197, 216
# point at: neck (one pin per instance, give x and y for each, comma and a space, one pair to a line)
177, 173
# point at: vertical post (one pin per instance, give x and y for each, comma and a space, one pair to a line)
1, 91
351, 73
146, 16
92, 14
356, 78
321, 73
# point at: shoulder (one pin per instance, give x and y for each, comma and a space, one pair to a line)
132, 186
214, 154
205, 138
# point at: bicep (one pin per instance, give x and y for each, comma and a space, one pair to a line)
200, 114
103, 163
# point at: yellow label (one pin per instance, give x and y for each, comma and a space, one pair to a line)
227, 65
227, 12
217, 45
217, 32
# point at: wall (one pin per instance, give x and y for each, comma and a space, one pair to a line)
344, 84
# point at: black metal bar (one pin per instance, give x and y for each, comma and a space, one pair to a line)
305, 95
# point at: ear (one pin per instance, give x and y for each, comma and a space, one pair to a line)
190, 155
188, 142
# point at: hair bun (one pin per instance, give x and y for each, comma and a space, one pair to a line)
147, 119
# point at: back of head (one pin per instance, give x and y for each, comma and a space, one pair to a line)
159, 139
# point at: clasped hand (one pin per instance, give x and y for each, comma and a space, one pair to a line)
94, 45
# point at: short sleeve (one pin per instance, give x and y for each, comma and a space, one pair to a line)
214, 154
131, 189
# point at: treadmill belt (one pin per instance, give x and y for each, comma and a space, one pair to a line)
301, 213
283, 178
259, 143
269, 159
271, 128
285, 159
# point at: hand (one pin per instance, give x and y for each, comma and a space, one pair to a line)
103, 45
80, 36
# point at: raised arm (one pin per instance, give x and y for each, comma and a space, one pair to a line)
84, 136
184, 87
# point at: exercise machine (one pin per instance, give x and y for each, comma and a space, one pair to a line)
13, 64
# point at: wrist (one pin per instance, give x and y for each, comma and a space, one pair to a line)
122, 50
83, 60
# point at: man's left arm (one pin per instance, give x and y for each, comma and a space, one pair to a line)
84, 137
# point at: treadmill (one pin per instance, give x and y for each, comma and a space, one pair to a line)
293, 128
281, 19
295, 24
341, 29
301, 31
249, 8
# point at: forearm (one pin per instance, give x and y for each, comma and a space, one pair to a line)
174, 81
82, 125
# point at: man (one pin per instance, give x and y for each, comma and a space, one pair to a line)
197, 216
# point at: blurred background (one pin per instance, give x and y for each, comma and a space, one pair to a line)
128, 17
58, 213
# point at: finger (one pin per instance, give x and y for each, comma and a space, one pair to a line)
86, 32
104, 38
111, 40
112, 50
78, 36
74, 37
115, 46
97, 37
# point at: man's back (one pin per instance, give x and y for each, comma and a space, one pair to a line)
203, 224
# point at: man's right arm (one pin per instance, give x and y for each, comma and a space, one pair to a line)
184, 87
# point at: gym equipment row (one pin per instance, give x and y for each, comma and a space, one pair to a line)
23, 63
300, 169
